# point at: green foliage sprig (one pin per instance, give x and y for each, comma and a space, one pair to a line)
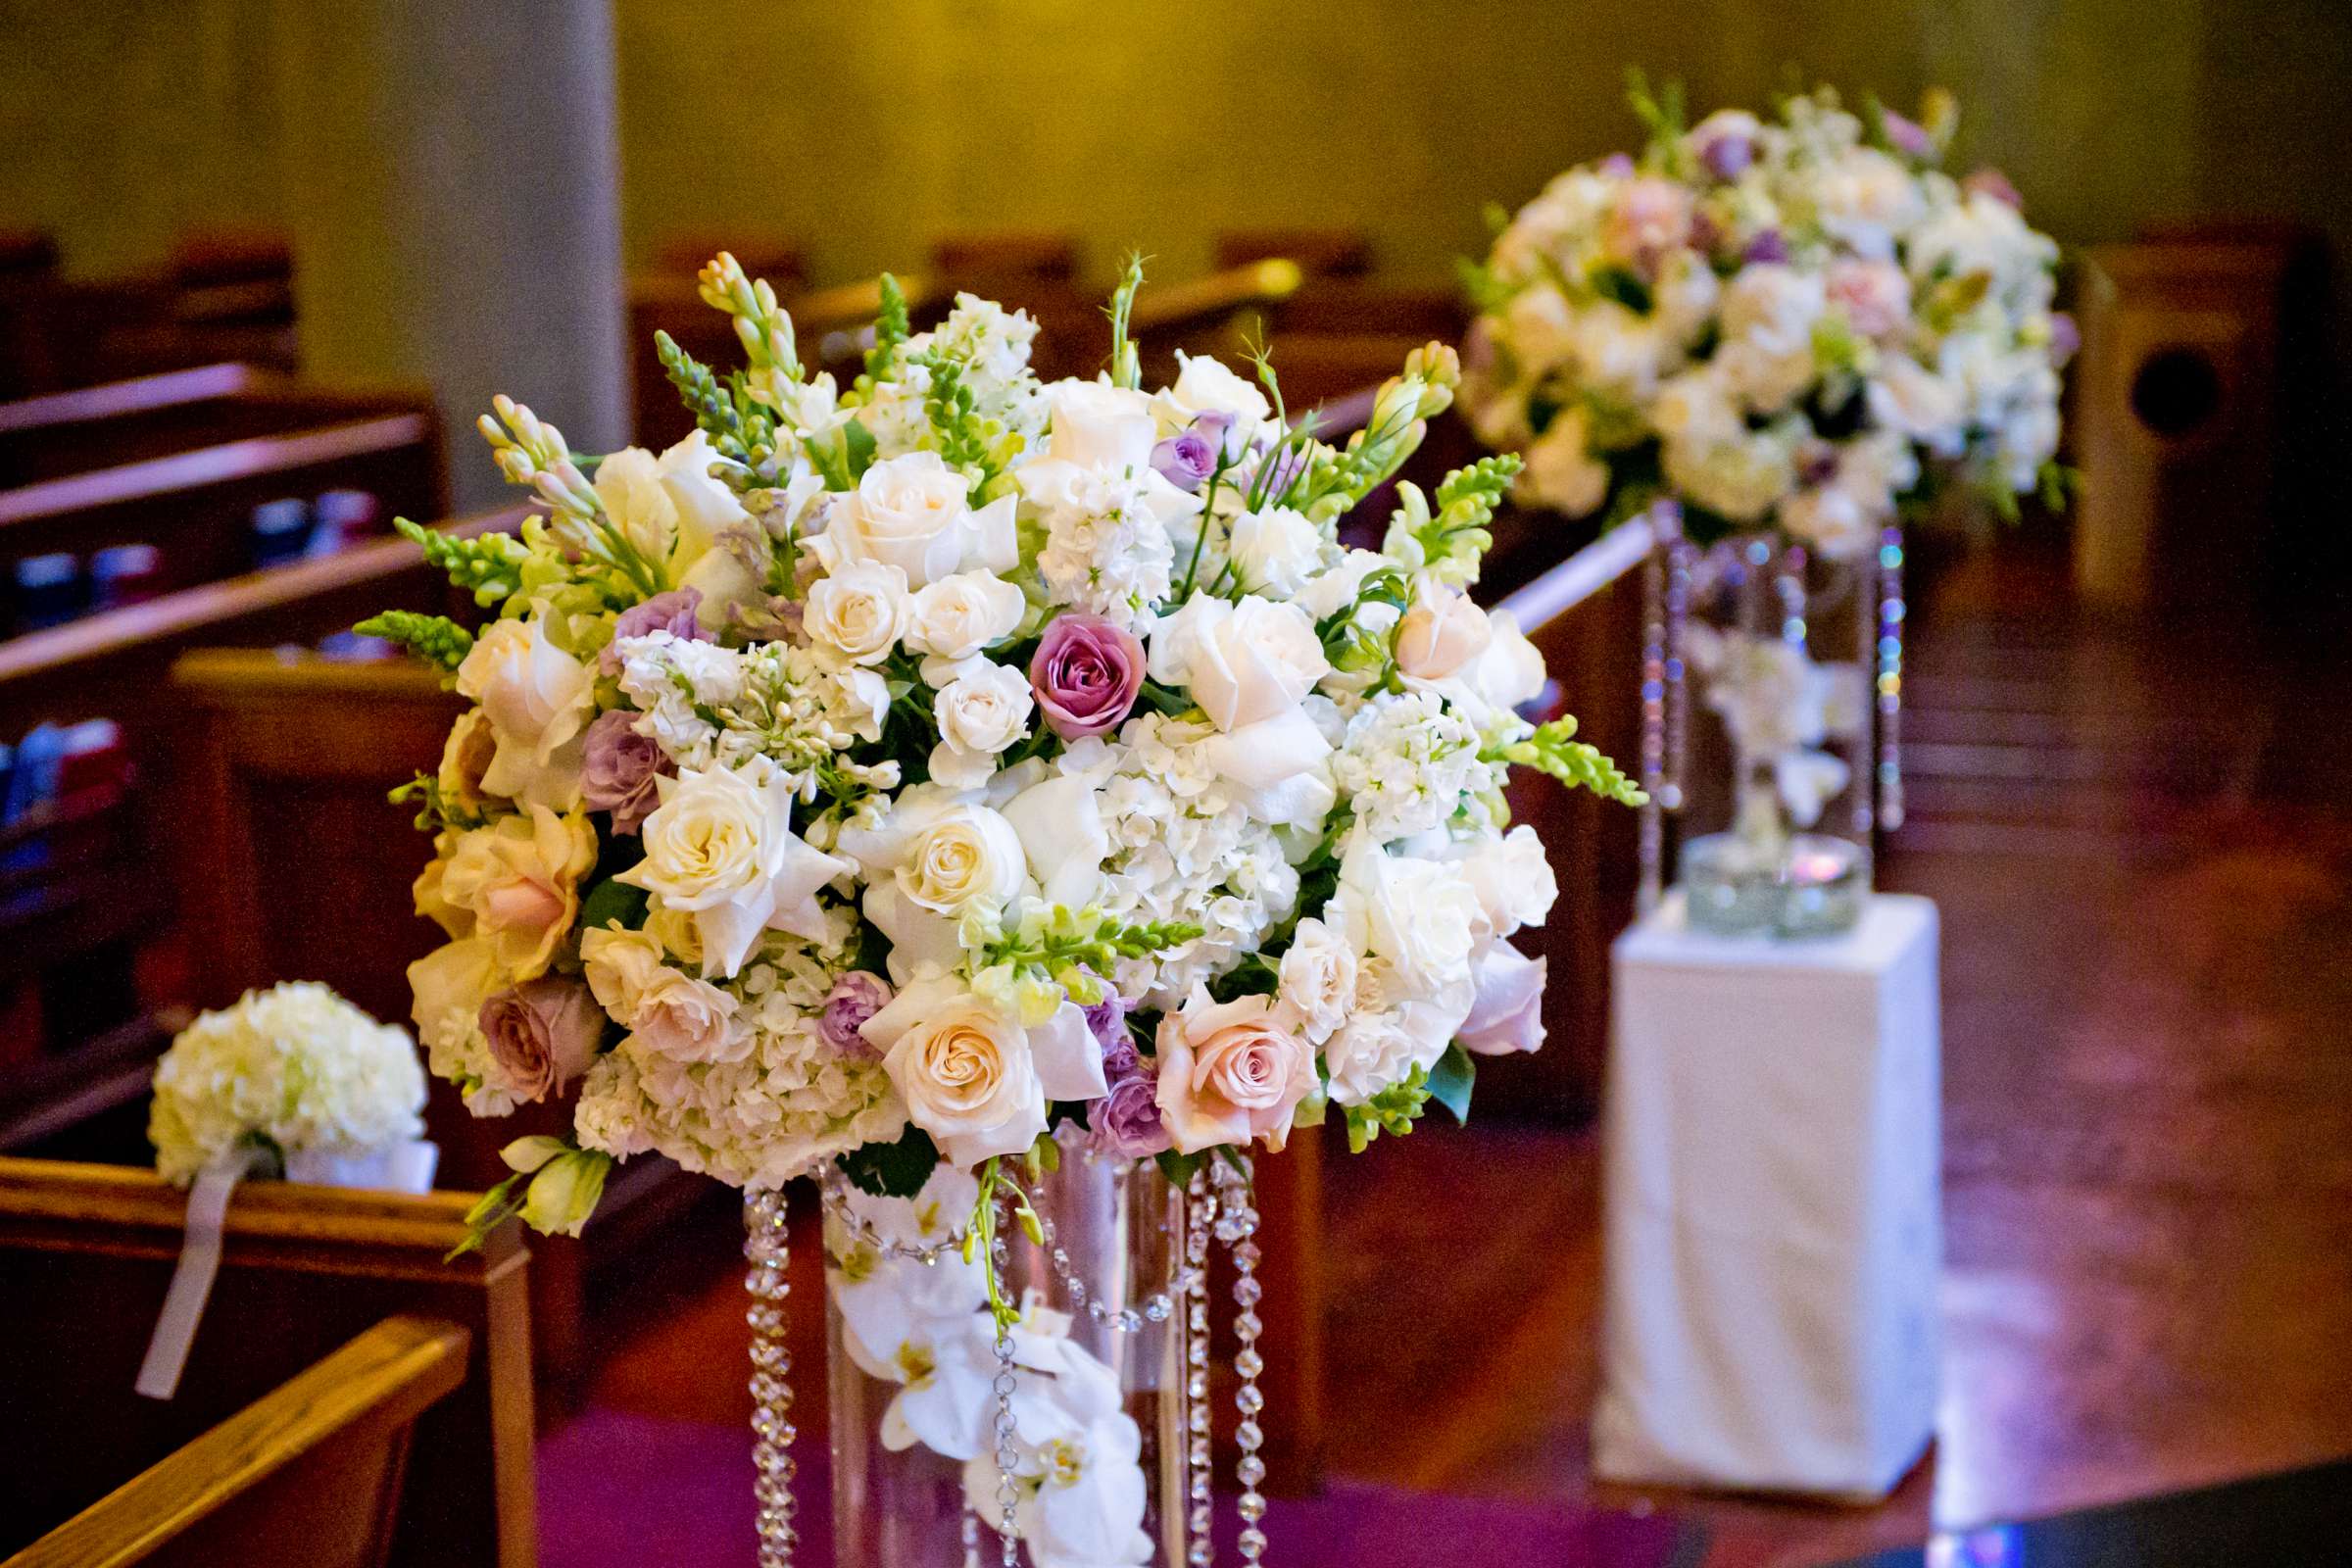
488, 566
436, 640
891, 331
1393, 1110
1450, 541
1551, 752
1126, 365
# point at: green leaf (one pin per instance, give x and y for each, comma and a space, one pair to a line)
1178, 1168
1451, 1080
1616, 283
610, 901
893, 1170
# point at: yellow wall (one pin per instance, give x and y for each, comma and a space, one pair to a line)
866, 129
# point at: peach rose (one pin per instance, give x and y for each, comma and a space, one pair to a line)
515, 883
1231, 1071
1442, 631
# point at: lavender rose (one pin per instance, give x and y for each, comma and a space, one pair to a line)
1509, 1013
1186, 459
857, 996
1126, 1123
1766, 246
1907, 135
1996, 184
1726, 156
543, 1034
1087, 672
618, 768
673, 612
1108, 1019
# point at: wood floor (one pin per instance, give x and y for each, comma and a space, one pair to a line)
2141, 844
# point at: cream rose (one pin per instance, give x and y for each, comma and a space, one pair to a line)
669, 1013
1231, 1071
1379, 1049
1318, 978
1442, 631
721, 845
628, 486
960, 614
972, 1076
1208, 385
912, 512
538, 700
980, 714
1243, 662
1512, 880
860, 610
966, 854
514, 883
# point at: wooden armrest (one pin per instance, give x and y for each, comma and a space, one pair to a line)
1219, 294
371, 1390
159, 477
197, 385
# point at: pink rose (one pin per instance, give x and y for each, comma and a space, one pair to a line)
1442, 631
1231, 1071
1086, 673
1507, 1013
1876, 296
543, 1034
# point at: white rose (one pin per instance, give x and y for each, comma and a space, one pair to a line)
628, 486
972, 1076
1694, 407
1243, 663
1318, 978
1562, 471
860, 610
1685, 295
912, 513
1274, 550
980, 713
1908, 398
1059, 821
721, 843
1099, 426
1421, 916
957, 616
1620, 352
1774, 306
1511, 879
538, 700
1275, 769
966, 854
1510, 671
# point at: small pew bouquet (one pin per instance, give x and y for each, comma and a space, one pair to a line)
294, 1075
1797, 324
925, 782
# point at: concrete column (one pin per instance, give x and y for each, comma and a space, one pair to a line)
452, 192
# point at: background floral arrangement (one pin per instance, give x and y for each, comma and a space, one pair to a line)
885, 775
1800, 322
294, 1069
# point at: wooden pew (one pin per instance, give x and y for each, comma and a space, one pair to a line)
1319, 252
90, 1250
312, 1472
293, 866
150, 417
197, 505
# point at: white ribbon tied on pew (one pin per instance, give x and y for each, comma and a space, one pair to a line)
403, 1167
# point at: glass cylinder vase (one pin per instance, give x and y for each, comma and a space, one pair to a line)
1776, 869
1090, 1377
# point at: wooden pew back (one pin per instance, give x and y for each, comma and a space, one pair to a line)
310, 1473
73, 433
90, 1250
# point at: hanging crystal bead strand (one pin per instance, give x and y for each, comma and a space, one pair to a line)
767, 1245
1238, 1229
1890, 676
1200, 1549
1678, 562
1651, 833
1008, 1490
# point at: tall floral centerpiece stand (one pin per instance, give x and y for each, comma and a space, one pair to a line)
1008, 804
1769, 341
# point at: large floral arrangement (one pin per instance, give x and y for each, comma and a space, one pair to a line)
1800, 322
888, 774
291, 1070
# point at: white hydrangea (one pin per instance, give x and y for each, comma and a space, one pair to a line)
1408, 765
1182, 849
295, 1066
791, 1100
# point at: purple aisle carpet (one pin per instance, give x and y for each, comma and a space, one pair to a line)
617, 1489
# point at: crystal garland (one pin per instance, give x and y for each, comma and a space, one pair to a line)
1889, 681
1665, 700
767, 1246
1201, 1215
1237, 1230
